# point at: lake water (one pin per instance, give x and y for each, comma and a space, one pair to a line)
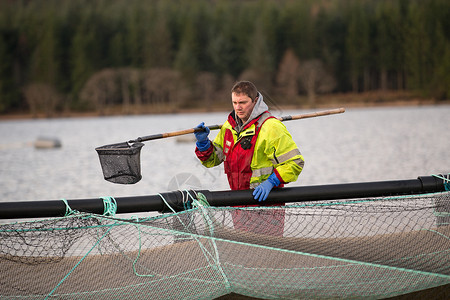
363, 144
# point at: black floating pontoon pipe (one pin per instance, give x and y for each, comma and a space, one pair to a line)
133, 204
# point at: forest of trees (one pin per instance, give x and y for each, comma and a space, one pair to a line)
92, 55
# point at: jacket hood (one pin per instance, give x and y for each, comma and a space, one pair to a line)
258, 109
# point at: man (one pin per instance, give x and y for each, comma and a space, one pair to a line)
257, 151
256, 148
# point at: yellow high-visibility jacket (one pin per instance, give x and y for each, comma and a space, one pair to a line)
262, 147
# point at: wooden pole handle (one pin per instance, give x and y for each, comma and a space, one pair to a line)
214, 127
313, 114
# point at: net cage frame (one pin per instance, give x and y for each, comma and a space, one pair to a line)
199, 253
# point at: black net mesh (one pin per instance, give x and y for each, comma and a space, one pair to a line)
121, 162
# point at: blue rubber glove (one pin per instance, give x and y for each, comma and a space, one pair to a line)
203, 142
262, 191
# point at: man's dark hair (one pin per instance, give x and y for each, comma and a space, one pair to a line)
247, 88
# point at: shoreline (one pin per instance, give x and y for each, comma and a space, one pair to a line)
328, 103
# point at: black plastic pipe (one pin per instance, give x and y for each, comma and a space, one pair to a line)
133, 204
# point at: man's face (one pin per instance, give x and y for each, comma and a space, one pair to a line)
242, 105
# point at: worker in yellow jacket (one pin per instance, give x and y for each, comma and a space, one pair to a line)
256, 148
258, 153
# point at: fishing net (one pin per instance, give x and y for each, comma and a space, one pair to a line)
121, 162
366, 248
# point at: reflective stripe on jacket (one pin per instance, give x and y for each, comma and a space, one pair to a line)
262, 147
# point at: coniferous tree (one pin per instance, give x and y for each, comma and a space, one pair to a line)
44, 60
8, 88
417, 48
224, 47
84, 54
186, 60
158, 44
358, 46
260, 60
364, 45
386, 38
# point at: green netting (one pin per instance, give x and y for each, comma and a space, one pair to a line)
366, 248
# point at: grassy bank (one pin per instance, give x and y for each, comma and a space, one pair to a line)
347, 100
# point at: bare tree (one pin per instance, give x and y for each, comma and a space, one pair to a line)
124, 79
130, 88
223, 93
261, 80
136, 88
315, 79
206, 88
288, 75
42, 98
162, 86
101, 89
